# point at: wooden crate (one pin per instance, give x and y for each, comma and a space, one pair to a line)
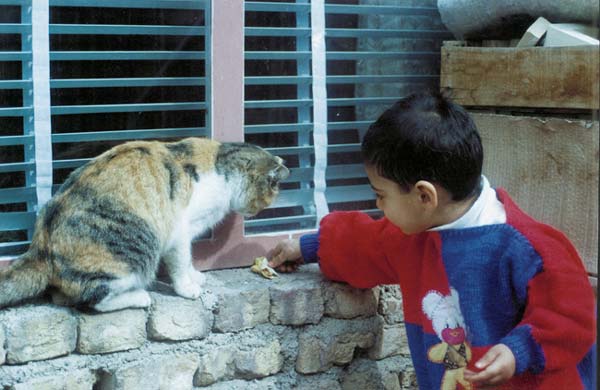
542, 77
549, 166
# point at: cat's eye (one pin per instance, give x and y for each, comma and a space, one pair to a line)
273, 183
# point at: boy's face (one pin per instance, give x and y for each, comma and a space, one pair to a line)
406, 210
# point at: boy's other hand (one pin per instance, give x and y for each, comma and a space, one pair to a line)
497, 365
286, 256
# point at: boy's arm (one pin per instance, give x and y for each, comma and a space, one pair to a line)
558, 324
349, 249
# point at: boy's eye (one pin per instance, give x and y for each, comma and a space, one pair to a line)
378, 196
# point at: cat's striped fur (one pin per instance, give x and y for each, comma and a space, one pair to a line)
99, 240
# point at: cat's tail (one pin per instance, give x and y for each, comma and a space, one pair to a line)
24, 278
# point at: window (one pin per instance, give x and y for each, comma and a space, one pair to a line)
368, 54
92, 77
303, 79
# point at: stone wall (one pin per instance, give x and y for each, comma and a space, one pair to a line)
297, 331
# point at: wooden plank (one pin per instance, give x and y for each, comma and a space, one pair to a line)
549, 166
553, 77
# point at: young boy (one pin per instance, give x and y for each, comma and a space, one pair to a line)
491, 296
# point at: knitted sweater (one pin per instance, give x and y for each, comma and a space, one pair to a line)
520, 283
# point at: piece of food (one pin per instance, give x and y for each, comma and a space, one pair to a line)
261, 267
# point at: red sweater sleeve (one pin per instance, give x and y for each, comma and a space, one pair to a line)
350, 250
560, 310
560, 307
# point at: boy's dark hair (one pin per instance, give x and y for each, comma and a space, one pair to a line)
426, 136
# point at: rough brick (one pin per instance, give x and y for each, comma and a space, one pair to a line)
241, 309
408, 379
175, 318
312, 355
239, 384
110, 332
344, 301
390, 304
332, 342
177, 372
390, 340
38, 332
341, 351
78, 380
259, 362
214, 366
242, 299
376, 375
297, 302
318, 382
165, 372
143, 375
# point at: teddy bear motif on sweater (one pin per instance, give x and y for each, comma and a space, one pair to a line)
453, 351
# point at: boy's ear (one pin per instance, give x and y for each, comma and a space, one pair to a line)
427, 193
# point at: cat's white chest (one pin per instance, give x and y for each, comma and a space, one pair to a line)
208, 205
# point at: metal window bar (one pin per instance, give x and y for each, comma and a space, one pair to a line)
18, 197
376, 54
283, 126
75, 35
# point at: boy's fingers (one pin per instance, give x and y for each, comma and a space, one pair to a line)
492, 375
467, 373
495, 380
487, 359
287, 267
480, 377
277, 259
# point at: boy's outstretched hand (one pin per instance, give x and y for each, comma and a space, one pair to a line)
286, 256
497, 366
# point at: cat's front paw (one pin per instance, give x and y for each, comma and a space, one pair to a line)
198, 277
188, 290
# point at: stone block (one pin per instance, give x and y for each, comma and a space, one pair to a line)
166, 372
297, 302
257, 384
214, 366
110, 332
259, 362
312, 355
318, 382
241, 309
38, 332
408, 379
375, 375
390, 304
175, 318
390, 340
344, 301
242, 299
77, 380
341, 351
144, 375
177, 372
332, 342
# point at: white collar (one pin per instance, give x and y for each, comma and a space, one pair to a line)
487, 210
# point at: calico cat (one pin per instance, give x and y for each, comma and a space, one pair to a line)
98, 241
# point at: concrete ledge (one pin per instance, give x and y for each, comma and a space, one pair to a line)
246, 332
